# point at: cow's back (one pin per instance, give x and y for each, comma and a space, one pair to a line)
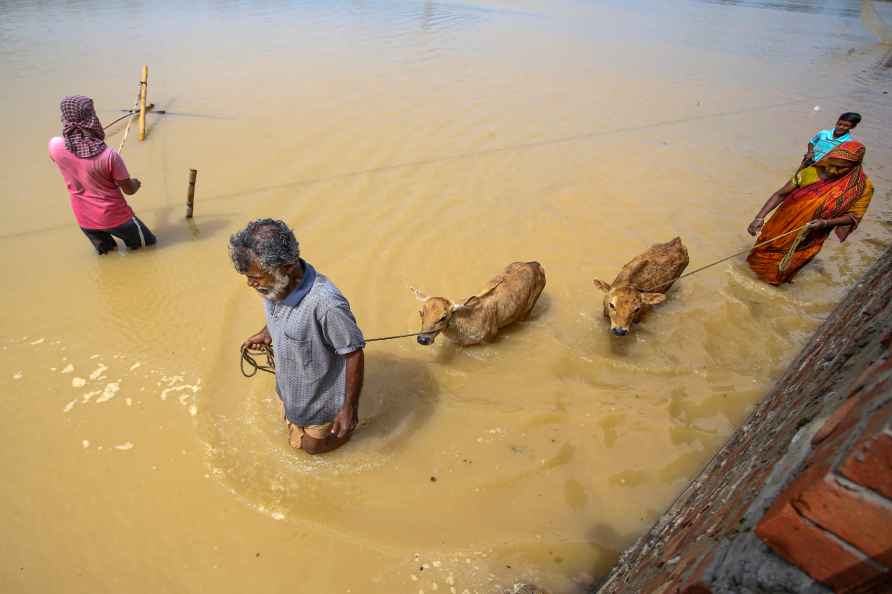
507, 298
516, 291
665, 263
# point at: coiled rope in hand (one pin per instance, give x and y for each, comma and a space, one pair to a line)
248, 357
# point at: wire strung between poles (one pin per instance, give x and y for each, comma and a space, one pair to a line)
116, 120
734, 255
131, 112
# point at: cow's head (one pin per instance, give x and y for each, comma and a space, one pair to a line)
623, 303
435, 314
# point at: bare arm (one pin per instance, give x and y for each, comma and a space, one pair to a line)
347, 418
770, 205
842, 221
129, 186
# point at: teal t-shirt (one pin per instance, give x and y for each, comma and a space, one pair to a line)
824, 142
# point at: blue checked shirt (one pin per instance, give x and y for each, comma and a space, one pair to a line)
312, 331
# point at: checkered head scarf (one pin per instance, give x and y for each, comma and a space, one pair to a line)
81, 129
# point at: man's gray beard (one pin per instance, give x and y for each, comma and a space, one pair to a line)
280, 284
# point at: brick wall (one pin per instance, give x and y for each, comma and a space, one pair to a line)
800, 497
835, 519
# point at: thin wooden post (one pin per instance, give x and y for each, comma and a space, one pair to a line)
143, 92
190, 199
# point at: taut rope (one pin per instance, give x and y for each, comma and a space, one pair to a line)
249, 354
115, 121
397, 336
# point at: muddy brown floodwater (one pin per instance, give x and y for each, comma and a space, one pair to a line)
408, 143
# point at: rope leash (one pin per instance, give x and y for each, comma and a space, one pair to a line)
397, 336
250, 355
725, 259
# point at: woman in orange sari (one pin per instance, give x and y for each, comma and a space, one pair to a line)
831, 195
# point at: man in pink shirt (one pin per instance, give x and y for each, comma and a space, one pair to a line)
95, 175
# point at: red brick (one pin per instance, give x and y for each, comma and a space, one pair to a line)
858, 520
869, 461
835, 419
813, 550
828, 447
870, 464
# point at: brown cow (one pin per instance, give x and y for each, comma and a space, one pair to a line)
642, 283
509, 297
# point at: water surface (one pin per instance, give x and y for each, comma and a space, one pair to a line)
407, 143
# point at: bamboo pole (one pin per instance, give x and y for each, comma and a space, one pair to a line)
143, 92
132, 114
190, 199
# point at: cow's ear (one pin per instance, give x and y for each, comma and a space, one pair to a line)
418, 294
652, 298
602, 285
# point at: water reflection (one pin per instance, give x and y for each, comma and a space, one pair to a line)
839, 8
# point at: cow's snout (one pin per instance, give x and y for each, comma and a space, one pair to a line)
619, 331
425, 340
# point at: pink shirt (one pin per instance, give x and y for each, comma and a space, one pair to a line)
96, 200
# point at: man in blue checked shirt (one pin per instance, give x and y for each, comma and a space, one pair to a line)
826, 140
318, 346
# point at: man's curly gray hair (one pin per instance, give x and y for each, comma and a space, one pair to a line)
268, 242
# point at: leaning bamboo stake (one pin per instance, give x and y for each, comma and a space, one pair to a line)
190, 199
133, 113
143, 92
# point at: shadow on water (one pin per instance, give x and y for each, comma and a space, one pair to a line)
172, 231
399, 396
605, 536
248, 451
620, 345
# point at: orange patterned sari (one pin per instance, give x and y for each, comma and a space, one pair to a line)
814, 198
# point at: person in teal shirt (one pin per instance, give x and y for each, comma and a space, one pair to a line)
826, 140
